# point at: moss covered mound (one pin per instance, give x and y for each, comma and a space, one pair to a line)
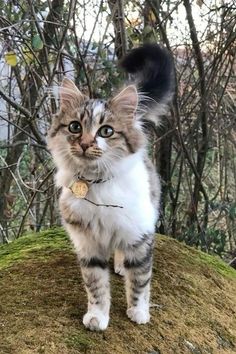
42, 301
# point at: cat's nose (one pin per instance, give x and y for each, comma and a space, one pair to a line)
84, 146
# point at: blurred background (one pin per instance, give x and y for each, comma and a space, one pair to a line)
194, 150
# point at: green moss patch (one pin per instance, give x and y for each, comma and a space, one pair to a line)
23, 248
42, 302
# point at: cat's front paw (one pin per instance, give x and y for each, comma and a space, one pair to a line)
95, 320
138, 315
119, 262
119, 269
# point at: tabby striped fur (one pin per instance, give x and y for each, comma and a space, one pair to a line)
129, 182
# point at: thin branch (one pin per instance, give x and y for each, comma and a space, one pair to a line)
19, 187
21, 129
31, 201
16, 105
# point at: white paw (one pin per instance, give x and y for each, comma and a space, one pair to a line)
138, 315
95, 320
120, 269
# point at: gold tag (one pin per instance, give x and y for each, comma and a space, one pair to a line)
80, 189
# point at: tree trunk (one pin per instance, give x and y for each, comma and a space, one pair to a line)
121, 44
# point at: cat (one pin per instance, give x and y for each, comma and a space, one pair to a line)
110, 196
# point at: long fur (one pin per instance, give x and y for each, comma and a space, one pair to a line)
152, 68
130, 182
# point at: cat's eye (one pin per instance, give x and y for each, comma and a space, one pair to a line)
75, 127
106, 131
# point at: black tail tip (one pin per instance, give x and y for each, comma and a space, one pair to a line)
153, 67
135, 60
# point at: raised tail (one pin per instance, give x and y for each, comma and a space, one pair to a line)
152, 68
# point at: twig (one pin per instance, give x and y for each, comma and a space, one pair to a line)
21, 129
19, 187
31, 201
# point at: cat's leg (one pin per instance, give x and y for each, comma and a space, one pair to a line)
119, 262
94, 269
96, 277
138, 270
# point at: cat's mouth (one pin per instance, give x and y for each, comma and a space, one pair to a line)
87, 155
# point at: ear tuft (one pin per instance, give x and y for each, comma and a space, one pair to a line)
70, 95
126, 101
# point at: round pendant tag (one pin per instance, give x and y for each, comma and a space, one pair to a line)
80, 189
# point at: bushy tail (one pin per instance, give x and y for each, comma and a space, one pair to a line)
153, 70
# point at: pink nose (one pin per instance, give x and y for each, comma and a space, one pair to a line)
84, 146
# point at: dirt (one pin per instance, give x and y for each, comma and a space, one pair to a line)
42, 301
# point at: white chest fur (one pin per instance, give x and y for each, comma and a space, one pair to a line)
129, 189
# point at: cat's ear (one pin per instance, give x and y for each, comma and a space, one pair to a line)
126, 101
70, 95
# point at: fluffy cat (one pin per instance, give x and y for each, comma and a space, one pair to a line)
110, 192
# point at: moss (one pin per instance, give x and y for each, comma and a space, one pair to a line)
192, 257
217, 264
225, 338
42, 302
80, 341
43, 242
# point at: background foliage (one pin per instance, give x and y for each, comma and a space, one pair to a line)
194, 149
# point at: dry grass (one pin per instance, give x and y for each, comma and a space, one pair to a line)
42, 301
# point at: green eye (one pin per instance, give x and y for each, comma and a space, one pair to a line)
106, 131
75, 127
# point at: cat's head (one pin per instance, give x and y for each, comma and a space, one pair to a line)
92, 133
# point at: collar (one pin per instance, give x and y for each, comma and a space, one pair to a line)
80, 189
80, 185
92, 181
